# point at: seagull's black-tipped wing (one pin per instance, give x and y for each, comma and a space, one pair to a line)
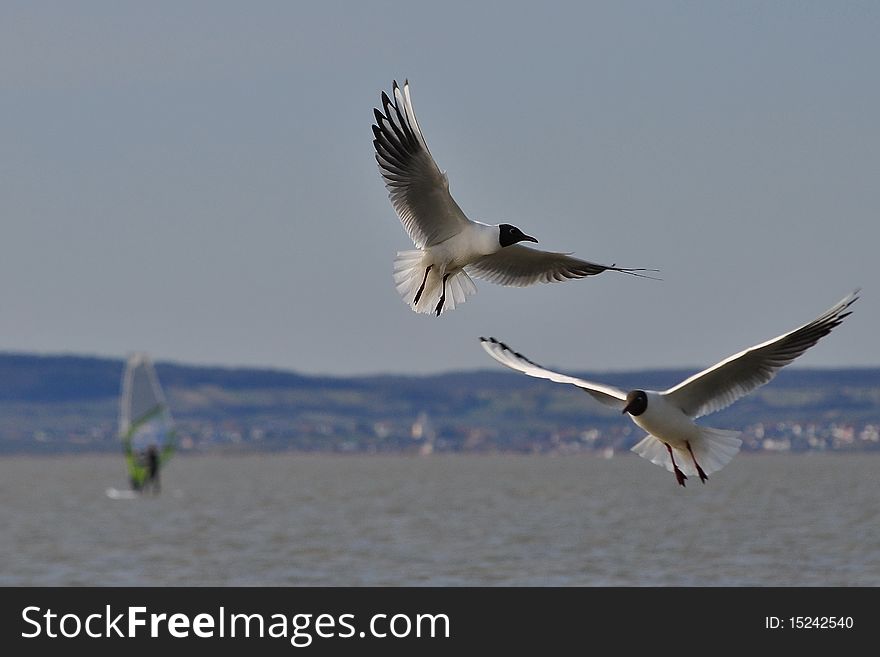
608, 395
521, 266
720, 385
418, 190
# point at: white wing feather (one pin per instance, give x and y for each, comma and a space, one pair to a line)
608, 395
722, 384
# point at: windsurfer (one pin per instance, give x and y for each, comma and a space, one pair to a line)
152, 480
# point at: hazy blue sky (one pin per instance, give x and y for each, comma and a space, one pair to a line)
196, 179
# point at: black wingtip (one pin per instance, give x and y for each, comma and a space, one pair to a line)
494, 341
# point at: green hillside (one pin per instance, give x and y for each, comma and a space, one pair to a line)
69, 403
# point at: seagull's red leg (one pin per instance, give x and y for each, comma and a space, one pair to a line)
702, 474
422, 286
679, 475
442, 295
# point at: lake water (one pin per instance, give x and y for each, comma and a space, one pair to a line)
268, 520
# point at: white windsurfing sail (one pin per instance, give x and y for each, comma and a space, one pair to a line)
145, 423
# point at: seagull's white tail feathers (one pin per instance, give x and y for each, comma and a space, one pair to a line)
713, 449
409, 273
458, 288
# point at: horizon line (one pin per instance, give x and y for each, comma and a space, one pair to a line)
290, 370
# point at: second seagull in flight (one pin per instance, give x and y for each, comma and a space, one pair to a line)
668, 416
450, 247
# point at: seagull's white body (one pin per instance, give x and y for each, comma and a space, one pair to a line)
674, 440
450, 256
474, 241
449, 246
666, 421
667, 424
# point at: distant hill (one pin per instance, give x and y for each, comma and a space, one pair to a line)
33, 378
63, 403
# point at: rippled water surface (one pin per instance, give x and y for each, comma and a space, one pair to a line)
267, 520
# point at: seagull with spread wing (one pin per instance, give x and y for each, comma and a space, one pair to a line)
450, 247
674, 440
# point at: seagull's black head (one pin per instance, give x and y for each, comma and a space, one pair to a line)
636, 403
511, 235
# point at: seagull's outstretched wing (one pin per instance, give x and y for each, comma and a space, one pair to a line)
608, 395
520, 266
417, 188
722, 384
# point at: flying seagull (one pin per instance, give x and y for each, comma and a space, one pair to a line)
450, 247
674, 440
